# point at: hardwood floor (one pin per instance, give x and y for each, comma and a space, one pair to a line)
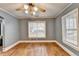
36, 49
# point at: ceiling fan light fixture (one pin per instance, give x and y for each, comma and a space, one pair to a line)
34, 13
26, 11
35, 9
26, 6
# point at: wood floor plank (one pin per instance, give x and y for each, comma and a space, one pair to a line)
36, 49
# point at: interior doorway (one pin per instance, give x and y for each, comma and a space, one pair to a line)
1, 33
1, 40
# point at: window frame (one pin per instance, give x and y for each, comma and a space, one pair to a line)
36, 22
75, 12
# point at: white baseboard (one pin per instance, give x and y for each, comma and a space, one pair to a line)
11, 46
29, 41
67, 50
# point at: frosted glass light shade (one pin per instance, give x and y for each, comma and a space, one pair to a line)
34, 13
26, 11
35, 9
26, 6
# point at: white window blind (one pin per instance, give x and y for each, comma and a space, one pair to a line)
70, 29
37, 29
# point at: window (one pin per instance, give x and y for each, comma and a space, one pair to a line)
70, 29
36, 29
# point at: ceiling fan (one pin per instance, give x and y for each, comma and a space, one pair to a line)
31, 8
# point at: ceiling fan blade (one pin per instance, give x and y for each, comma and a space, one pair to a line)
41, 9
20, 8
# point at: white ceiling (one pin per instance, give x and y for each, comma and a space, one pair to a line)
52, 9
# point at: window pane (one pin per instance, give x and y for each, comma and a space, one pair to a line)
71, 36
37, 29
71, 22
67, 22
70, 28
